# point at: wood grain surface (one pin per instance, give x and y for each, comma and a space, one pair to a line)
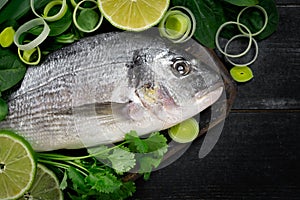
258, 153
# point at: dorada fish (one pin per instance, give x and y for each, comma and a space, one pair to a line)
101, 87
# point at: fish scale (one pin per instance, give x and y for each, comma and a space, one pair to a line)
90, 92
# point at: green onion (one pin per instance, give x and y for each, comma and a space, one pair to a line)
178, 24
48, 7
27, 26
90, 20
7, 37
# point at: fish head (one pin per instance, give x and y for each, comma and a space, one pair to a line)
172, 84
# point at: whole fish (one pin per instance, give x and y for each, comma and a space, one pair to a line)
101, 87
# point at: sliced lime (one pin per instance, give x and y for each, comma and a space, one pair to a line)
133, 15
241, 73
184, 132
45, 186
17, 165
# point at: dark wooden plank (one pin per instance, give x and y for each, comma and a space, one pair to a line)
257, 157
277, 69
288, 2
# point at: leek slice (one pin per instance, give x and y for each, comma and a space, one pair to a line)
27, 26
51, 4
248, 35
178, 24
265, 15
86, 10
242, 64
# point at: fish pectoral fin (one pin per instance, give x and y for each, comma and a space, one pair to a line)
106, 112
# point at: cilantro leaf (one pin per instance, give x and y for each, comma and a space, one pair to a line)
135, 143
122, 160
103, 182
76, 178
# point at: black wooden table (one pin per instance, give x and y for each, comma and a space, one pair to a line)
258, 153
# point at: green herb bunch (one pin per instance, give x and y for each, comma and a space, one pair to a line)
100, 174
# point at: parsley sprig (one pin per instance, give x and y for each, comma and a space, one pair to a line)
99, 174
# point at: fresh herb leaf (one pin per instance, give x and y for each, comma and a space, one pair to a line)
135, 143
209, 16
64, 184
122, 160
103, 182
242, 2
88, 19
77, 178
12, 70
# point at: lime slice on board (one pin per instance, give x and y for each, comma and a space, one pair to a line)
45, 186
133, 15
17, 165
241, 73
185, 131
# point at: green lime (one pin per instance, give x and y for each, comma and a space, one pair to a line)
185, 131
133, 15
17, 165
241, 73
45, 186
7, 37
3, 109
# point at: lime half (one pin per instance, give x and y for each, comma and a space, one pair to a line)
17, 165
184, 132
133, 15
45, 186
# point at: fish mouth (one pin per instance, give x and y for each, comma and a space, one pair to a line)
206, 98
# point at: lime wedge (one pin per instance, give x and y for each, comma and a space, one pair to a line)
45, 186
184, 132
17, 165
241, 73
133, 15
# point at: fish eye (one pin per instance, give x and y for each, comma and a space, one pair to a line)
182, 66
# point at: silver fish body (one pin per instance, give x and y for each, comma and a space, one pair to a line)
94, 91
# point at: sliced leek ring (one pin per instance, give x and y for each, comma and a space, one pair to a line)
242, 64
27, 26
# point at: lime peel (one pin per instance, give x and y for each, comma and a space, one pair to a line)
185, 132
7, 37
